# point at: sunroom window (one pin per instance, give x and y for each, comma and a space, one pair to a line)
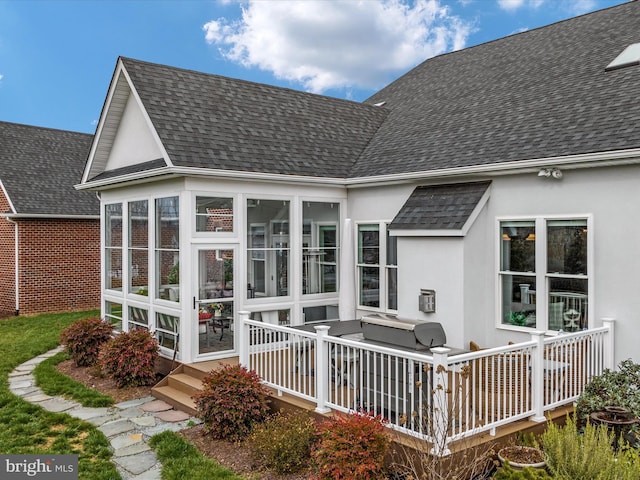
168, 248
113, 246
320, 247
268, 247
139, 247
543, 273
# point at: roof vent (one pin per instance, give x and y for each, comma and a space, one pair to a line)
629, 56
379, 104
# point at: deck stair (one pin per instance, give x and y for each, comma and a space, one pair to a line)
178, 388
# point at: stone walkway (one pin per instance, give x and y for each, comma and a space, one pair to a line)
127, 425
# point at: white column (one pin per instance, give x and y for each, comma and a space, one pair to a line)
243, 339
441, 408
610, 343
536, 372
322, 369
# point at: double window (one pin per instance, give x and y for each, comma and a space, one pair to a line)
544, 274
377, 267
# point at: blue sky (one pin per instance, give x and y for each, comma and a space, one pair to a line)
57, 57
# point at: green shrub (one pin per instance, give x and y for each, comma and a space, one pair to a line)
508, 473
620, 388
84, 338
283, 442
351, 446
130, 358
231, 402
571, 455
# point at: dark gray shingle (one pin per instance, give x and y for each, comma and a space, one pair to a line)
222, 123
538, 94
40, 166
439, 207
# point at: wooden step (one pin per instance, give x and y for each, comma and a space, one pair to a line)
176, 398
185, 382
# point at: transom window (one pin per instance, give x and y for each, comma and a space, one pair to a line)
544, 273
214, 214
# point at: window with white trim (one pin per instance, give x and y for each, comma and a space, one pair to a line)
377, 267
544, 275
113, 246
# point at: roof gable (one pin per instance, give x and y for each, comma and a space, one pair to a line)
38, 170
218, 123
125, 135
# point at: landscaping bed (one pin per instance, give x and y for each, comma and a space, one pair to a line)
231, 455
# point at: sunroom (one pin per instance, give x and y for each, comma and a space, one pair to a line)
183, 262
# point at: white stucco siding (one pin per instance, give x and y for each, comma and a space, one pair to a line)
134, 143
611, 196
437, 264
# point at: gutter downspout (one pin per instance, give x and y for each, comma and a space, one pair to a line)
17, 271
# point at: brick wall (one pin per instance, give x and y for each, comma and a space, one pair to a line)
7, 254
59, 265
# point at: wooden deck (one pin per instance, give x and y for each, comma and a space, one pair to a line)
178, 388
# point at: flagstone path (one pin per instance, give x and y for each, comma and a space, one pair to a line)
127, 425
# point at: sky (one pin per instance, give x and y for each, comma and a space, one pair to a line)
57, 57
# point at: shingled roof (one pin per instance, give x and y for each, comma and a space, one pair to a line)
215, 122
538, 94
39, 167
440, 207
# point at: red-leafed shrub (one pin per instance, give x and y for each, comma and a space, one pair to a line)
351, 446
231, 402
130, 359
84, 338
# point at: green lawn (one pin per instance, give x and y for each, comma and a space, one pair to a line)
28, 429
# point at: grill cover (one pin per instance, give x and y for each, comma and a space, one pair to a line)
403, 332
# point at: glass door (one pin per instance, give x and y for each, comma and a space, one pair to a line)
215, 312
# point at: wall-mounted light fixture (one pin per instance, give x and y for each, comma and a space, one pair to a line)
550, 172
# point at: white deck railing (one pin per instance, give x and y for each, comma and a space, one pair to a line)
437, 397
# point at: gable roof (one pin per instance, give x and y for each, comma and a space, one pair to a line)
539, 94
213, 122
538, 98
39, 167
441, 208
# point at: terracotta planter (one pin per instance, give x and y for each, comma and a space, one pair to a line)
520, 457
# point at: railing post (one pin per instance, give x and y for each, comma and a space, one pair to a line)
243, 339
537, 377
322, 369
609, 354
441, 410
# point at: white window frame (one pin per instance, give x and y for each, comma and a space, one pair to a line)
382, 265
541, 275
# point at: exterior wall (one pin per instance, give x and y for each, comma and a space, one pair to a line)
611, 196
7, 262
59, 265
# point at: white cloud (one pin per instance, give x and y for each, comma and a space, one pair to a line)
510, 4
576, 7
338, 44
1, 76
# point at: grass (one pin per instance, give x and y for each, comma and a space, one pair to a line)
28, 429
52, 382
181, 460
